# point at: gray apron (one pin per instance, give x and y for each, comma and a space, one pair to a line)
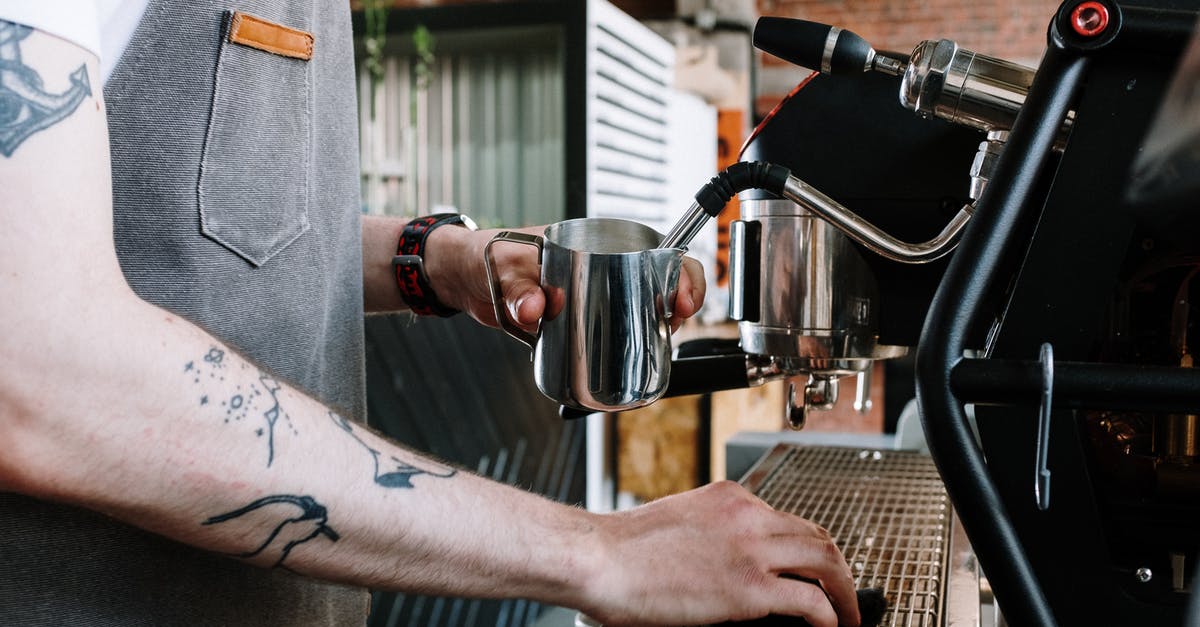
236, 205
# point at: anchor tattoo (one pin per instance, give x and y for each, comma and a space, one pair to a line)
302, 520
394, 473
25, 107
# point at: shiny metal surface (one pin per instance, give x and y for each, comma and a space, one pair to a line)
1041, 471
945, 81
888, 65
985, 161
870, 235
743, 279
604, 343
795, 410
686, 228
821, 392
862, 392
965, 594
889, 514
760, 370
827, 54
804, 351
815, 300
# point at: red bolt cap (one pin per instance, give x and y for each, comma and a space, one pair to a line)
1089, 19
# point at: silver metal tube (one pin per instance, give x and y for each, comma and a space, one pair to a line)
888, 65
862, 392
686, 228
870, 235
945, 81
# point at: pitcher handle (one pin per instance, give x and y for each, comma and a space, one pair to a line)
529, 339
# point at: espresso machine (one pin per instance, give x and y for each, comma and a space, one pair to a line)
1035, 242
825, 288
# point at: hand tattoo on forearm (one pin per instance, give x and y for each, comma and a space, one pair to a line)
257, 402
293, 520
391, 471
26, 108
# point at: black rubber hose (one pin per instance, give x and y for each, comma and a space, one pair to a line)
740, 177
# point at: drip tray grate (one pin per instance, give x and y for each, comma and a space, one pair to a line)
887, 510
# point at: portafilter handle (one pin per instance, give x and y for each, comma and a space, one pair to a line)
707, 365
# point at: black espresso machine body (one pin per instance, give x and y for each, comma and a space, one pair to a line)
1104, 279
1064, 314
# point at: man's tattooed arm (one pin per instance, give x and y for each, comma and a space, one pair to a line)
115, 405
284, 521
26, 107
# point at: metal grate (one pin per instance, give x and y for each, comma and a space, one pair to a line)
887, 510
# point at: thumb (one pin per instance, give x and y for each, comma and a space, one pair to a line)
525, 302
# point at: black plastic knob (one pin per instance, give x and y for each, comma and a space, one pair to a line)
807, 44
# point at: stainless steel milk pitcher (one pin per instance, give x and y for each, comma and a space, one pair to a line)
604, 343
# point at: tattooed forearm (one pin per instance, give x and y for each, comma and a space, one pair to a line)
255, 404
391, 471
287, 520
25, 107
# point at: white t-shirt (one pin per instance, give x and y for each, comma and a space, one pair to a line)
101, 26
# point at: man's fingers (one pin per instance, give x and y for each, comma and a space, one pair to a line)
696, 284
819, 560
690, 295
801, 598
783, 523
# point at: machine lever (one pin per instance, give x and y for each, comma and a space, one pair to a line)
821, 47
1041, 485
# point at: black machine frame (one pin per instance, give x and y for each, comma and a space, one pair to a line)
1044, 223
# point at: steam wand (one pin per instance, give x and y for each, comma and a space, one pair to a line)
716, 193
739, 177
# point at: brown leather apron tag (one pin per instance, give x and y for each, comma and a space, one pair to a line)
256, 32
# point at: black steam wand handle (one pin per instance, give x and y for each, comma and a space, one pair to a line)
820, 47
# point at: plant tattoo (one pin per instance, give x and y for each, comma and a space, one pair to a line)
295, 520
25, 107
257, 402
395, 472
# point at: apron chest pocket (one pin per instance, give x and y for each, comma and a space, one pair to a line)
253, 187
